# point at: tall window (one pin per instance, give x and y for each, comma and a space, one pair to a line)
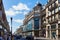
49, 13
53, 5
29, 25
52, 18
49, 6
53, 26
36, 23
53, 12
56, 10
55, 17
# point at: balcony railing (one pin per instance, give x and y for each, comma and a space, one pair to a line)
53, 6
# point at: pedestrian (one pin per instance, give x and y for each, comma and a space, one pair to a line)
1, 38
23, 39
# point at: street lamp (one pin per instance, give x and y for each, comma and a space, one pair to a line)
11, 28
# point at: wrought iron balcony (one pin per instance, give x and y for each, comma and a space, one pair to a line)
53, 6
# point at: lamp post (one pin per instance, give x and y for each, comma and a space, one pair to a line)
11, 28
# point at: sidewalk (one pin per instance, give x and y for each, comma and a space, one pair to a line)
41, 38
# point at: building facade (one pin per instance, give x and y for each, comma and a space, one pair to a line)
52, 19
4, 25
32, 21
44, 22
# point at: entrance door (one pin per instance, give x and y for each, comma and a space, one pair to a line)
36, 33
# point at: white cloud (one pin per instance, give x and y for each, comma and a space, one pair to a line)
17, 9
20, 6
25, 12
18, 20
12, 12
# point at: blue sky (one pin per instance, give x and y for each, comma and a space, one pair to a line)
18, 9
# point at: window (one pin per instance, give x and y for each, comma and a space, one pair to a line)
36, 23
53, 26
52, 18
50, 6
49, 13
55, 17
53, 12
53, 5
29, 25
43, 18
44, 21
56, 10
58, 25
59, 8
36, 14
59, 16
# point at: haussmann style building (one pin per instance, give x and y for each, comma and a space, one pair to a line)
32, 21
4, 25
43, 22
51, 19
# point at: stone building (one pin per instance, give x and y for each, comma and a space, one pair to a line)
52, 19
32, 21
4, 25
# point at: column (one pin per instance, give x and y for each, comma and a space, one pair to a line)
46, 32
33, 27
32, 33
57, 31
46, 23
50, 32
